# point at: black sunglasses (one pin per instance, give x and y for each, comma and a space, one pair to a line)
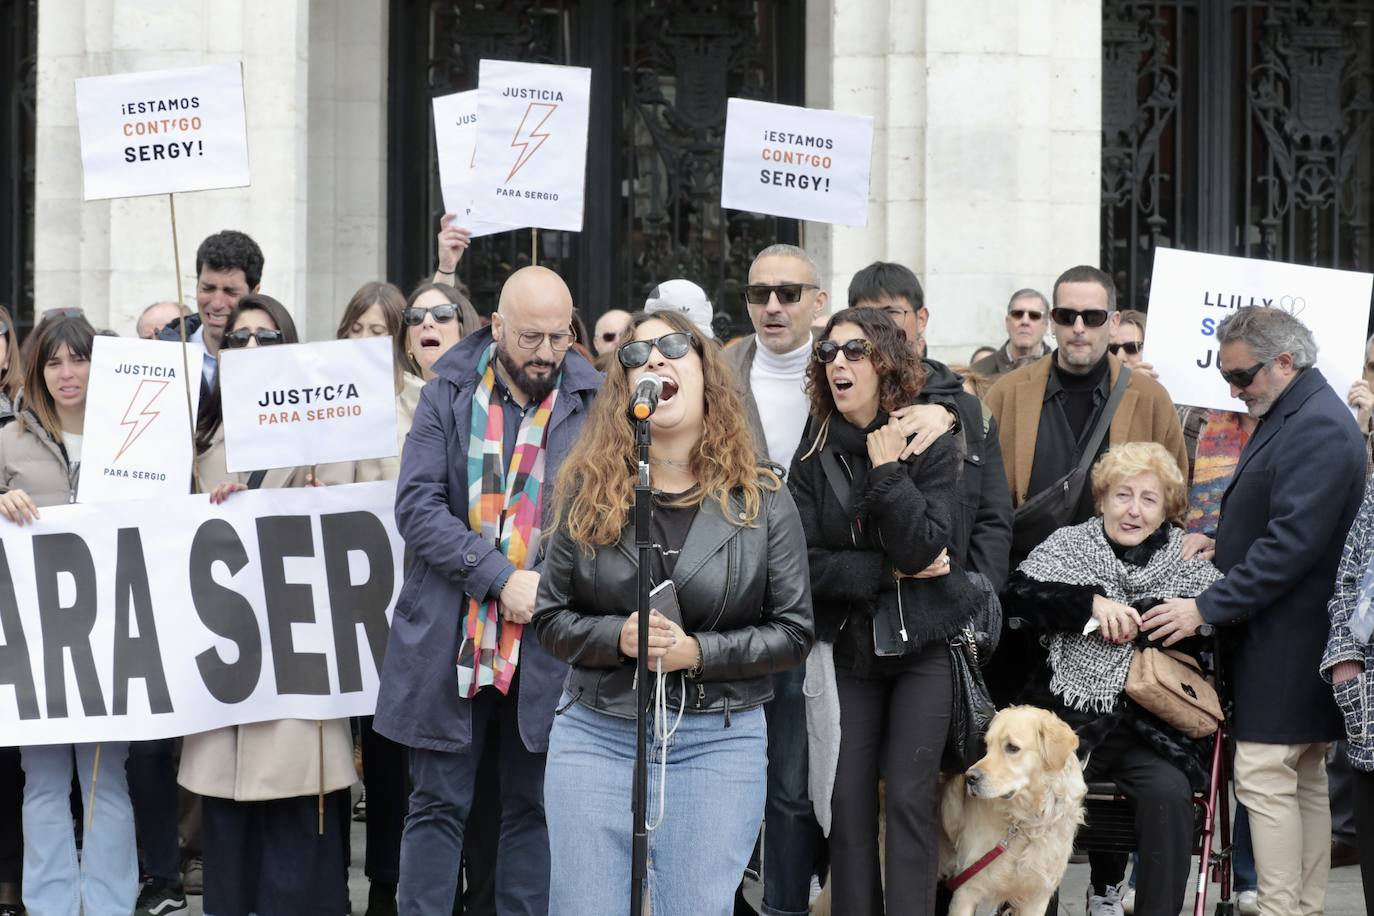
1092, 318
854, 350
1129, 346
788, 293
264, 336
1242, 378
415, 315
1018, 314
634, 354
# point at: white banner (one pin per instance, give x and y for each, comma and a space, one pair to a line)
1191, 293
299, 404
153, 619
455, 139
531, 144
162, 131
803, 163
137, 439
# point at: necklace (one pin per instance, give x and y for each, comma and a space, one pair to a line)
671, 462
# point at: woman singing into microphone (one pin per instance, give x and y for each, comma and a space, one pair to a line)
727, 535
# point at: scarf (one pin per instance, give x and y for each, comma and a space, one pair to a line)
504, 507
1089, 673
1218, 452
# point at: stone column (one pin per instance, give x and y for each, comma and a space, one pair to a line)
986, 158
115, 257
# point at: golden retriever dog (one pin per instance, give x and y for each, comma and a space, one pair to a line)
1027, 791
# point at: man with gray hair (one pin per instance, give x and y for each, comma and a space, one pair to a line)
156, 317
1282, 528
1027, 322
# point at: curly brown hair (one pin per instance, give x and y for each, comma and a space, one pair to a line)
595, 485
900, 373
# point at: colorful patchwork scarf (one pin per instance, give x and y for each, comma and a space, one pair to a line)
504, 507
1218, 452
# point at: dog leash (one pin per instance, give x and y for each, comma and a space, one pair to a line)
988, 858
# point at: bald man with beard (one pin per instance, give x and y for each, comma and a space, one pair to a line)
516, 394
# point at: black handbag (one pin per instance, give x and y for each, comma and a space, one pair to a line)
972, 708
1053, 507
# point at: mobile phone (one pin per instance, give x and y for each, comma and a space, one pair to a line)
663, 599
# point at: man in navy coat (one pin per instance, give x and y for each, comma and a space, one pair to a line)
421, 703
1284, 518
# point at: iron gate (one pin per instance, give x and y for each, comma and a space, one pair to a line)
18, 95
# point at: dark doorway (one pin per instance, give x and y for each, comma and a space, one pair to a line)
661, 73
18, 97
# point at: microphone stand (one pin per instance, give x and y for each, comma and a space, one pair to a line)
643, 514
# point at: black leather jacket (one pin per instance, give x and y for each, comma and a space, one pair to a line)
745, 595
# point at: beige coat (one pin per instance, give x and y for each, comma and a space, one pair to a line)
266, 760
385, 468
31, 461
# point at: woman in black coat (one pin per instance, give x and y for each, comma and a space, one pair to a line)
875, 523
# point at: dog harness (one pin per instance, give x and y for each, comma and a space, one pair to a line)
988, 858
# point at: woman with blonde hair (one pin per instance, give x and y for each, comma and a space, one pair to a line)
726, 535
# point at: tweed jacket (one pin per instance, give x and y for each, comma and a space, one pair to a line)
1353, 696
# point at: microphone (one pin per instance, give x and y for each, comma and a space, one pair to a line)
647, 391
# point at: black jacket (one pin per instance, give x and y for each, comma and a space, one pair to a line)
902, 518
743, 592
982, 540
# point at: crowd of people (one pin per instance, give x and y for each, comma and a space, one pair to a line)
832, 508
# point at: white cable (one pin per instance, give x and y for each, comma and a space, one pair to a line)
662, 735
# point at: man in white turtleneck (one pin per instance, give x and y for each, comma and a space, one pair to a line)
784, 296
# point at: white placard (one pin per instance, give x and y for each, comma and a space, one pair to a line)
162, 131
802, 163
1191, 293
178, 616
137, 439
531, 144
455, 138
302, 404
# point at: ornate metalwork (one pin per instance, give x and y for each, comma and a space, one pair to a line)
18, 92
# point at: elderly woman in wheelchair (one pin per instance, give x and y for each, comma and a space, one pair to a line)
1085, 588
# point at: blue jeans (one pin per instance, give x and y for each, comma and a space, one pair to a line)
441, 796
152, 773
1242, 853
711, 810
791, 836
105, 880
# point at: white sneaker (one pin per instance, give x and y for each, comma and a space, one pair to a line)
1128, 901
1108, 904
1247, 903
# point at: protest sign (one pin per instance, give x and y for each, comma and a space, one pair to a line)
162, 131
802, 163
531, 144
1191, 293
288, 406
455, 139
137, 438
152, 619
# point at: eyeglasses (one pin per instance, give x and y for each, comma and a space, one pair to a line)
896, 314
443, 314
265, 337
1242, 378
62, 312
788, 293
853, 350
1018, 314
634, 354
533, 340
1368, 367
1092, 318
4, 327
1131, 347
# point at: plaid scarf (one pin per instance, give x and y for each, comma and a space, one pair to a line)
1218, 452
1089, 673
504, 507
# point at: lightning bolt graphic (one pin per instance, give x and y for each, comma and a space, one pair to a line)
524, 138
139, 420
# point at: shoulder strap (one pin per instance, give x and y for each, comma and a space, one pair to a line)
1104, 422
838, 482
255, 479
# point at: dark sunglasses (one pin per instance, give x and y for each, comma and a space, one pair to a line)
854, 350
415, 315
1129, 346
1242, 378
1018, 314
634, 354
1092, 318
788, 293
4, 327
265, 337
